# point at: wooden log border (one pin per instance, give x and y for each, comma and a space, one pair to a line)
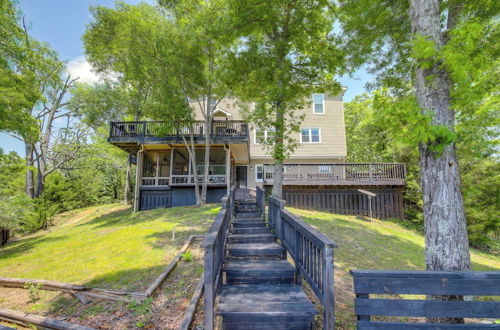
81, 292
23, 319
193, 305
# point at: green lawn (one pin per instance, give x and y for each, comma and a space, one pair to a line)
110, 247
373, 244
106, 246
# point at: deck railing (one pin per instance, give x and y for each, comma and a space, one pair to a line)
311, 251
341, 173
214, 245
218, 128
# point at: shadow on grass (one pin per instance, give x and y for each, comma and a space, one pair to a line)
17, 248
187, 215
363, 247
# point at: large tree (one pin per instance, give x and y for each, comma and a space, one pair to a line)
175, 50
285, 53
18, 84
116, 44
437, 60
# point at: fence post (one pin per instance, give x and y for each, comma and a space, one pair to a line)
209, 289
328, 295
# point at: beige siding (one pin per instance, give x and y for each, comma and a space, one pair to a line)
331, 124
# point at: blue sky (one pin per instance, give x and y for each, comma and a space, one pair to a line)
61, 23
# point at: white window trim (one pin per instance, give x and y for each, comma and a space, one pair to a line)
323, 104
255, 136
310, 135
257, 179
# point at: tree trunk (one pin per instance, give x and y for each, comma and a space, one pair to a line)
278, 153
447, 245
195, 170
208, 132
40, 181
126, 196
446, 231
30, 180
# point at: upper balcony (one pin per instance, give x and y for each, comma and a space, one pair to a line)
342, 174
129, 134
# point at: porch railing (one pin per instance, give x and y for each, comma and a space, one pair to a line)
340, 173
311, 251
214, 245
218, 128
155, 181
189, 179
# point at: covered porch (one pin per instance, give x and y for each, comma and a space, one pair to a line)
165, 176
173, 167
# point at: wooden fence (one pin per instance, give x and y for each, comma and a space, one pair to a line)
311, 251
214, 245
387, 204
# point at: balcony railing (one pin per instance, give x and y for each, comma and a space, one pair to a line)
341, 174
219, 128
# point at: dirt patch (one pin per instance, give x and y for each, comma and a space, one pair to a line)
163, 311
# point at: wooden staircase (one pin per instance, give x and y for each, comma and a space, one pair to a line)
260, 290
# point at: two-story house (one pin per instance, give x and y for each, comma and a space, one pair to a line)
316, 174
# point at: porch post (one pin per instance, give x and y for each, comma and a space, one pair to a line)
228, 169
138, 180
171, 166
157, 181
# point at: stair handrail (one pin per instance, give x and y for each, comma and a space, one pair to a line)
214, 246
311, 251
261, 201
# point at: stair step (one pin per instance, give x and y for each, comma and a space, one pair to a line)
256, 250
259, 271
265, 306
248, 219
245, 202
255, 230
242, 211
251, 238
248, 224
246, 207
247, 216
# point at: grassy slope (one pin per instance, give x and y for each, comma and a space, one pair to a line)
106, 246
373, 244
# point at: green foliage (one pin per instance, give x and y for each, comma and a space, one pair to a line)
141, 308
94, 178
33, 291
375, 133
187, 256
286, 52
102, 102
25, 66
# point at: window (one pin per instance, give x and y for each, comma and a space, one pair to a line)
324, 169
259, 173
310, 135
263, 135
318, 104
213, 103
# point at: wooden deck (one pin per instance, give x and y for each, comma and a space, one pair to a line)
343, 174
